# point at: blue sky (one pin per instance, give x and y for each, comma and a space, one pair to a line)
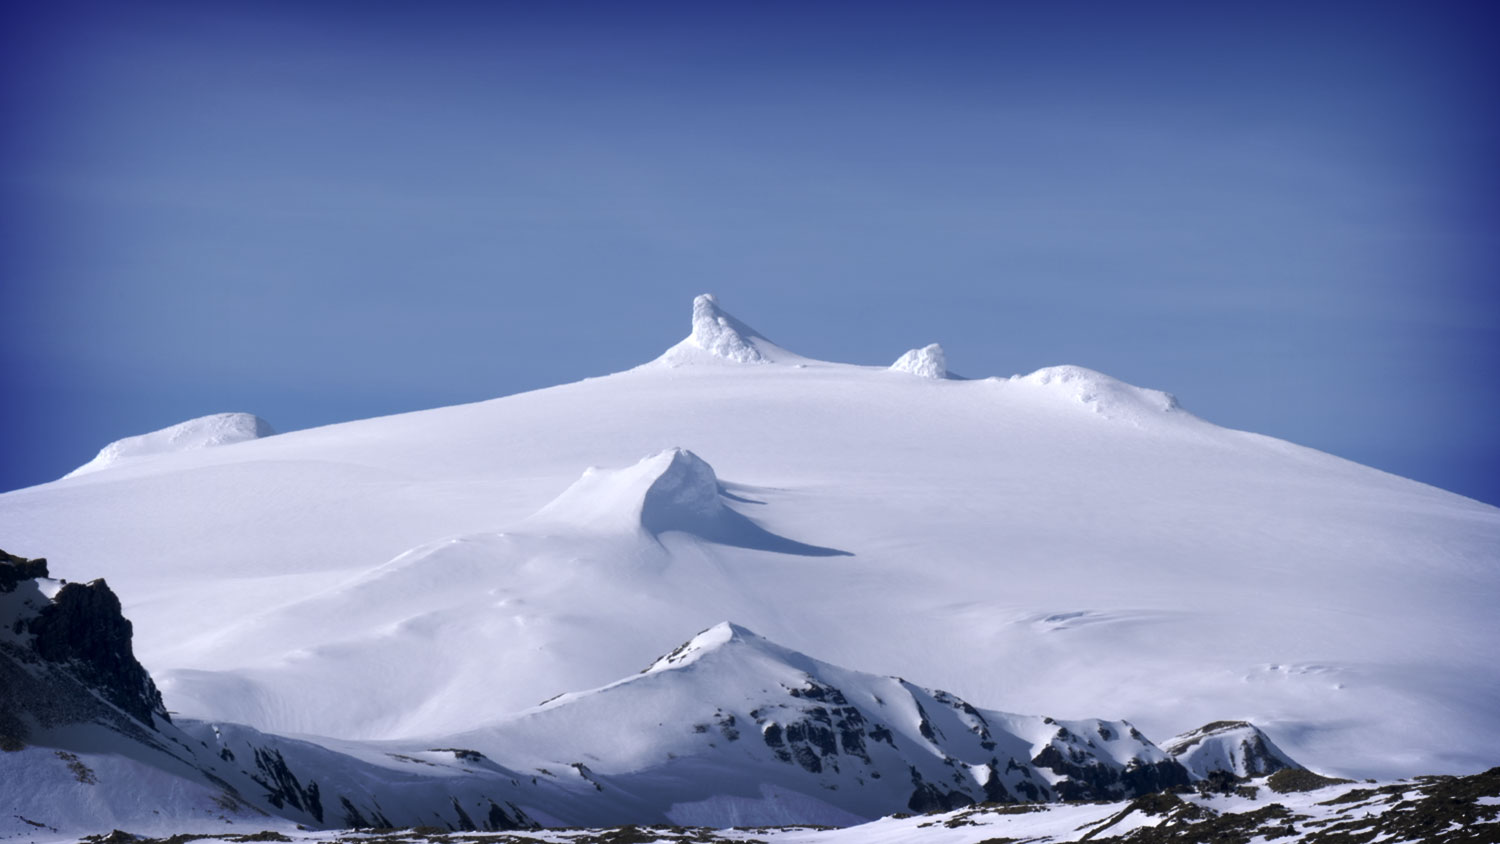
318, 212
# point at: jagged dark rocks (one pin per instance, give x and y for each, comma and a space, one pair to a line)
84, 628
15, 569
1094, 781
65, 655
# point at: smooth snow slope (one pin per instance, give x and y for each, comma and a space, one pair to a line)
1060, 542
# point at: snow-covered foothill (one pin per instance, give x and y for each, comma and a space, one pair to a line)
1236, 747
926, 362
204, 432
729, 725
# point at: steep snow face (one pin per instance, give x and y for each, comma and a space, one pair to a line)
1237, 747
719, 336
203, 432
926, 362
670, 490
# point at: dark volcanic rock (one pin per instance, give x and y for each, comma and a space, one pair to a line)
82, 632
15, 569
83, 627
1088, 780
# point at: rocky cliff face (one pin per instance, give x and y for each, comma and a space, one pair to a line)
80, 631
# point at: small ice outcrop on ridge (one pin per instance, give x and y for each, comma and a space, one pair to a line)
204, 432
926, 362
1109, 397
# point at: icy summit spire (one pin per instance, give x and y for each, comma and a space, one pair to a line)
715, 331
720, 338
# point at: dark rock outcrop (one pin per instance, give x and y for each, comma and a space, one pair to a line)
83, 628
15, 569
1090, 780
67, 659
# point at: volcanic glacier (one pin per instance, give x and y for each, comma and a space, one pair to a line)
1059, 542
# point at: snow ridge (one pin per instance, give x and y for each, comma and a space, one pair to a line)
203, 432
926, 362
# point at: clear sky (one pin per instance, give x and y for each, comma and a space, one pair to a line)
1287, 214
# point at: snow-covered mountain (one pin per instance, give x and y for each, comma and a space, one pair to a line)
1059, 542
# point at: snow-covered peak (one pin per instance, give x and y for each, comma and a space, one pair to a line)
926, 362
718, 336
204, 432
1237, 747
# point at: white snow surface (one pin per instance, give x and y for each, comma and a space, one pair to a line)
204, 432
1060, 543
926, 362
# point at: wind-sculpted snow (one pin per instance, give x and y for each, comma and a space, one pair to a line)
673, 490
203, 432
926, 362
1060, 542
602, 572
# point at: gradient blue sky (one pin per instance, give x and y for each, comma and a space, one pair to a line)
1285, 213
